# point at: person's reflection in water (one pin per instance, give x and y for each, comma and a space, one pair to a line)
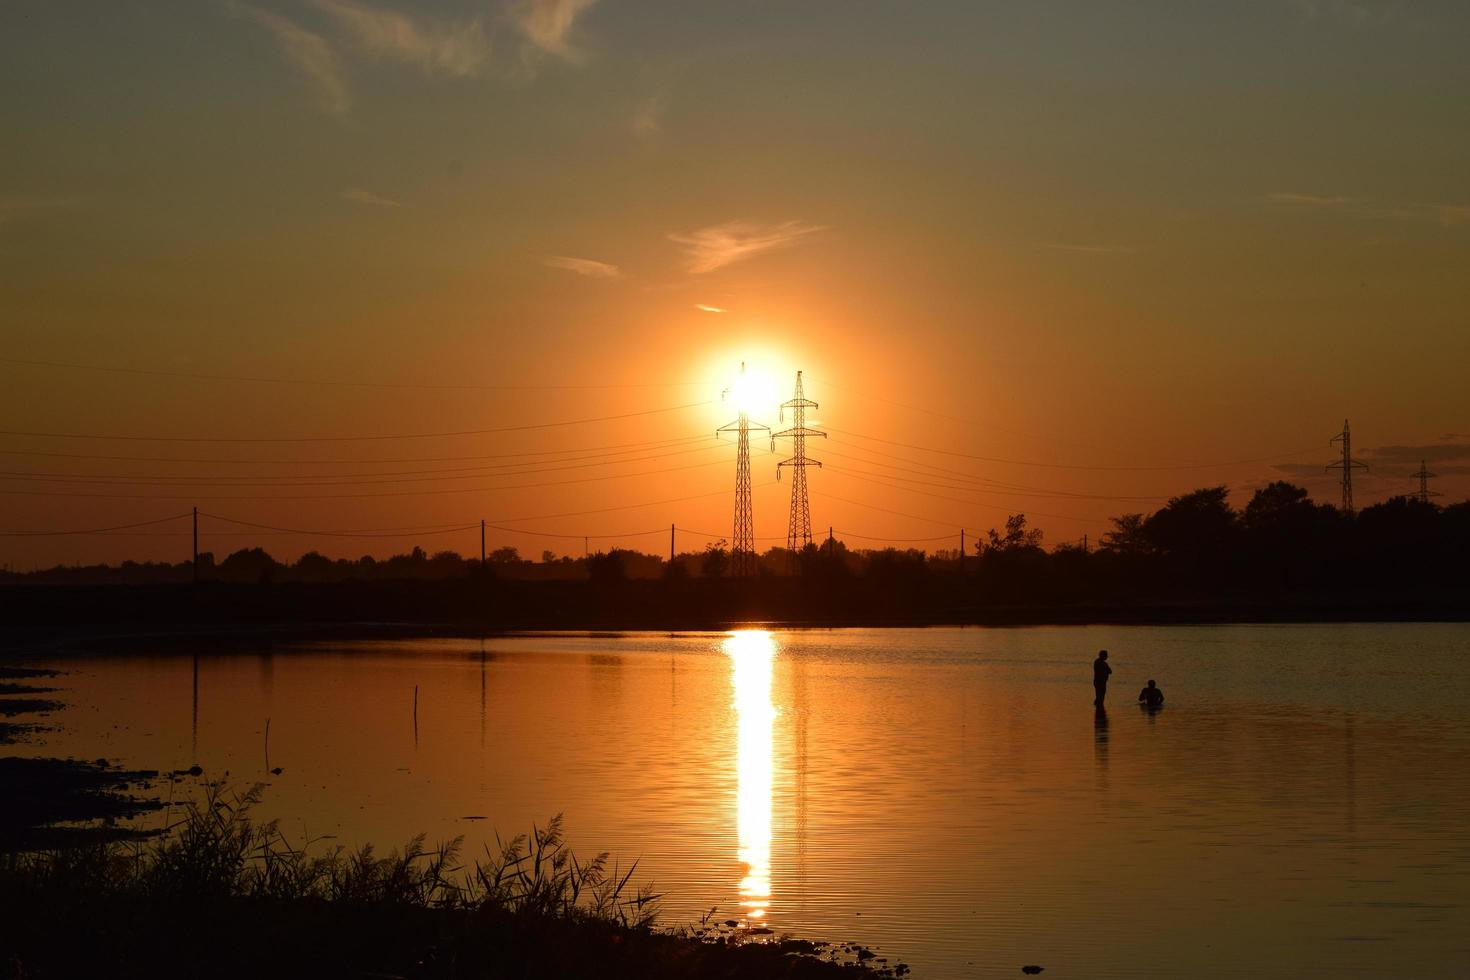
1100, 745
1100, 673
1151, 697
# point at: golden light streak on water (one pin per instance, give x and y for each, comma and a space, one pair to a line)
752, 654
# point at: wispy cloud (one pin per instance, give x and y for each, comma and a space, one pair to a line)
358, 195
1449, 214
590, 268
715, 247
1309, 200
1449, 457
459, 50
1094, 249
546, 23
1356, 13
1362, 207
308, 52
10, 206
710, 309
1445, 457
648, 115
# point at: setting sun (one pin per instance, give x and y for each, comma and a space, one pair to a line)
753, 392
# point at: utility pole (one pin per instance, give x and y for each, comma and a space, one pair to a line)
962, 550
671, 544
799, 526
831, 545
1347, 464
1425, 476
742, 542
196, 546
482, 541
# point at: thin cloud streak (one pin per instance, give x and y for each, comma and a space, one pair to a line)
358, 195
710, 309
309, 52
1093, 249
12, 206
590, 268
1449, 215
648, 115
546, 23
1313, 200
460, 51
715, 247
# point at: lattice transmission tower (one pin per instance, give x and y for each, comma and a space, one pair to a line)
1347, 464
1424, 493
799, 527
742, 541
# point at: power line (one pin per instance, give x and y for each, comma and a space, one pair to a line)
324, 479
1075, 466
963, 475
579, 537
990, 486
328, 383
341, 534
375, 438
608, 510
958, 500
895, 513
629, 446
359, 496
93, 530
869, 537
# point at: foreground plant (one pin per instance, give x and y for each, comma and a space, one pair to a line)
221, 895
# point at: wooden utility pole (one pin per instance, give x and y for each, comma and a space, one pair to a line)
962, 549
196, 545
482, 541
671, 544
831, 545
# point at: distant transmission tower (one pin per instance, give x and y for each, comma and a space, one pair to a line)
799, 528
1424, 477
742, 541
1347, 464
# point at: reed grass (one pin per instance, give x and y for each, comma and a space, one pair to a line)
224, 895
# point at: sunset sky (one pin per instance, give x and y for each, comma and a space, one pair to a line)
1089, 253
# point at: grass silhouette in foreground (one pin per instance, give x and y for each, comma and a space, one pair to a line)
222, 895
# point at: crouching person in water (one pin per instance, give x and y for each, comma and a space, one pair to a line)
1151, 696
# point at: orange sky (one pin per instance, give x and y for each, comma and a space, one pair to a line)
1102, 249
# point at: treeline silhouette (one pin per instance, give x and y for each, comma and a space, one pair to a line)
1282, 552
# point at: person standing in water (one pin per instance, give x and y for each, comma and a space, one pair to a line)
1100, 673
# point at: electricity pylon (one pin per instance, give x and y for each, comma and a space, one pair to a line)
799, 527
742, 541
1425, 476
1347, 464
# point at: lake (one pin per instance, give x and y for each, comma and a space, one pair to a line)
949, 797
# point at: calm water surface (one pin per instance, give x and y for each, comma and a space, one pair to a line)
1298, 808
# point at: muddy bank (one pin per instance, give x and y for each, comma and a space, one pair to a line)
54, 802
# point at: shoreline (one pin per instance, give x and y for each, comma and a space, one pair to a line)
62, 642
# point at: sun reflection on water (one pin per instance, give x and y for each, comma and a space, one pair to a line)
752, 653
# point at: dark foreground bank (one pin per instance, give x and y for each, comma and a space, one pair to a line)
491, 605
223, 896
